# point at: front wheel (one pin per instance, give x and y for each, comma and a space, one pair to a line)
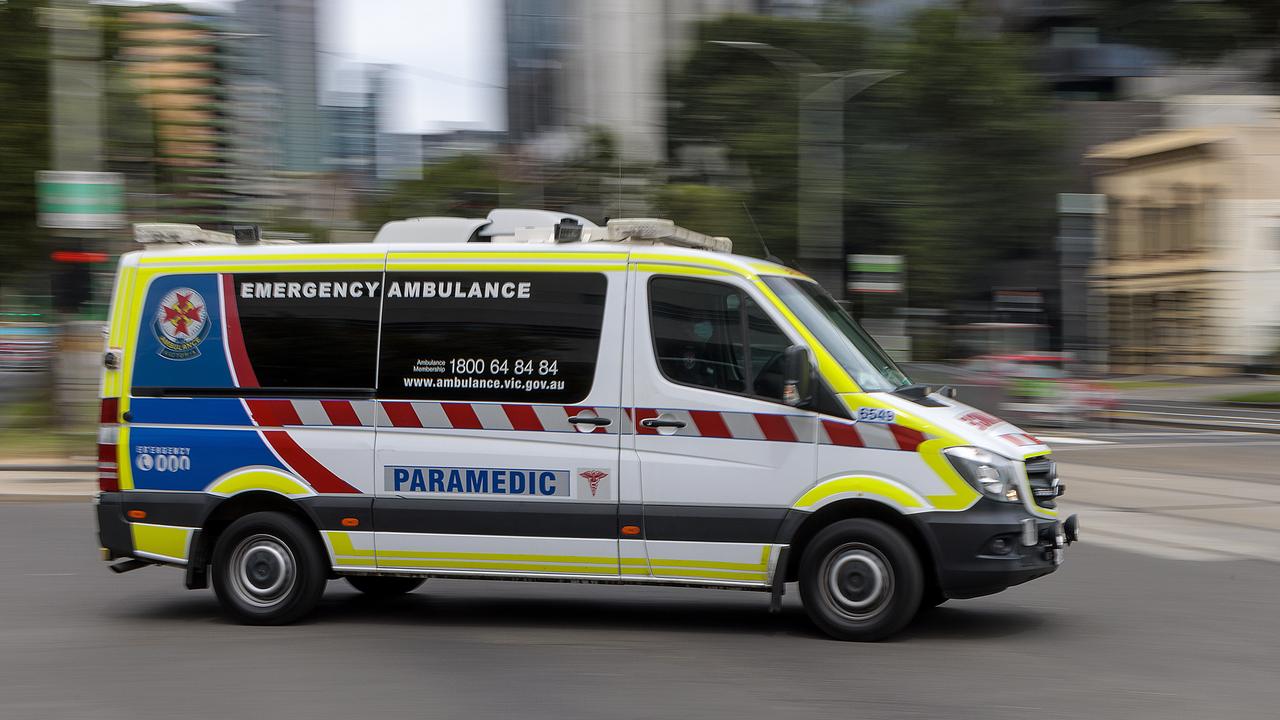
860, 579
268, 569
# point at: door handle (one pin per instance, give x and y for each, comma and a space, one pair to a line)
661, 423
590, 420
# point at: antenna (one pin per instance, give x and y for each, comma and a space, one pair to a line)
768, 254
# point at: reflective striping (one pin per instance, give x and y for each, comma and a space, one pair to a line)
311, 412
775, 428
489, 417
341, 413
346, 554
258, 479
414, 415
160, 541
859, 487
742, 426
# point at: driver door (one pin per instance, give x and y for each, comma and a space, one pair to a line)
721, 458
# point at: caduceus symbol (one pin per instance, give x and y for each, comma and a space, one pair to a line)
593, 478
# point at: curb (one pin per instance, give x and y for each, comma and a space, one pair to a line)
1140, 419
1254, 405
30, 467
33, 498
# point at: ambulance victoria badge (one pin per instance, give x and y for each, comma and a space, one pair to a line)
181, 324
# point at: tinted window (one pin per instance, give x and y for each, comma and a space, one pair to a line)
310, 330
504, 337
712, 335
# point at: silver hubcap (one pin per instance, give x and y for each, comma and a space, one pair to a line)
857, 581
263, 571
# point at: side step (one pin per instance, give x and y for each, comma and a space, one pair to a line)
125, 566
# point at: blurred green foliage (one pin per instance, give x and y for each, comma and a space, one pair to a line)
952, 162
465, 186
1197, 30
24, 130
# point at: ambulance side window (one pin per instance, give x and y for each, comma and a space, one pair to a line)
712, 335
310, 330
515, 337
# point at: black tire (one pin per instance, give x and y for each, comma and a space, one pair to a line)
268, 569
860, 580
382, 587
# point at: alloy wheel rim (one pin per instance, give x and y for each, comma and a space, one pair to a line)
857, 581
263, 570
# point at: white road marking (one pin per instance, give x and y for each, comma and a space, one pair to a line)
1054, 440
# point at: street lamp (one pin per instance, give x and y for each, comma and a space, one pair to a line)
820, 195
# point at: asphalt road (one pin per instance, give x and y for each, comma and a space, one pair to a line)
1113, 634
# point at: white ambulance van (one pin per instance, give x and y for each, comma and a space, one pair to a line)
529, 396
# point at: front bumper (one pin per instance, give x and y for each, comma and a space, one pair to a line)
980, 551
113, 528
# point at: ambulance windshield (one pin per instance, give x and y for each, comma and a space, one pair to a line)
851, 346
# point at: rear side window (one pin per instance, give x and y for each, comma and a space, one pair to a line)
309, 330
496, 337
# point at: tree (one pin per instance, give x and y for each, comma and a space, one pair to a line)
24, 132
465, 186
951, 162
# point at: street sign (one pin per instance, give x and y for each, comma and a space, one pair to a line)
874, 273
80, 200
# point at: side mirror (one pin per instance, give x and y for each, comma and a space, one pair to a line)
796, 388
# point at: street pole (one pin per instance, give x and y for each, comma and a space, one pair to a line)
820, 171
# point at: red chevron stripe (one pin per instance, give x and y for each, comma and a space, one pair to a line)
775, 428
710, 424
341, 413
842, 434
401, 414
462, 416
273, 413
317, 476
522, 417
908, 438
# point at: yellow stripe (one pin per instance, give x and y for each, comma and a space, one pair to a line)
679, 269
962, 496
161, 540
497, 557
506, 267
259, 480
520, 567
900, 496
704, 261
530, 255
344, 549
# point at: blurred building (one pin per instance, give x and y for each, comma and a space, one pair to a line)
1190, 266
281, 48
576, 64
176, 61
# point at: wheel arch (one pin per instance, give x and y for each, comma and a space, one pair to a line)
228, 510
800, 527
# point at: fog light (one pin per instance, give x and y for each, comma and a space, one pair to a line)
999, 546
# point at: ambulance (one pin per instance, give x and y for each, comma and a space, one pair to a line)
530, 396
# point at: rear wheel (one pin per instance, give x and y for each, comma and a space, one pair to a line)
268, 569
379, 586
860, 579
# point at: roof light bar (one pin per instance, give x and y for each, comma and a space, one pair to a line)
179, 234
663, 232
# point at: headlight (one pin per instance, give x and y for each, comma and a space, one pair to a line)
994, 476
